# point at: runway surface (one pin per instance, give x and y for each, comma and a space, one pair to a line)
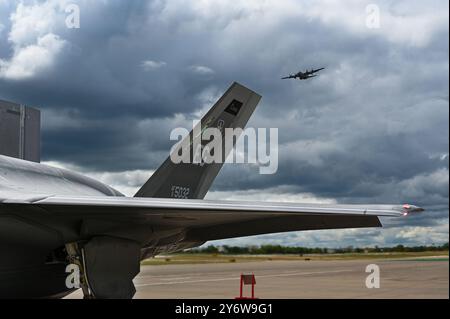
296, 279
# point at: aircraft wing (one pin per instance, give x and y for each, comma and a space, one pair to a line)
313, 71
206, 220
317, 70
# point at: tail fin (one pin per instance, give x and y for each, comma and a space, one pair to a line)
192, 181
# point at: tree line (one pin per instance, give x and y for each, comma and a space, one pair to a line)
281, 250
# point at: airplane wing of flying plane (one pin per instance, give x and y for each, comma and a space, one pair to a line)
51, 217
314, 71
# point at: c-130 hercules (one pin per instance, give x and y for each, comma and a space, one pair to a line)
303, 75
51, 218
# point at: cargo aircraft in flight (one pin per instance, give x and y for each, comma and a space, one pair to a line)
303, 75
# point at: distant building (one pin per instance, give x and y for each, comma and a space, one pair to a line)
20, 131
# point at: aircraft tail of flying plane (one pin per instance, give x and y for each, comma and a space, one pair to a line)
193, 180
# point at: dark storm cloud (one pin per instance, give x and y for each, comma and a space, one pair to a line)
373, 127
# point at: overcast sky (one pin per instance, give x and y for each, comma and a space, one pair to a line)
372, 128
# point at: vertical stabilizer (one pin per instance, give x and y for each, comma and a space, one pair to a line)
192, 181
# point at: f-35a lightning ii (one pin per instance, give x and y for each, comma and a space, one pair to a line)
52, 218
303, 75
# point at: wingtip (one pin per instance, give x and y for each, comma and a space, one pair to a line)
412, 209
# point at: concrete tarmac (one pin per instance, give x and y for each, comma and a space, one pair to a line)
414, 278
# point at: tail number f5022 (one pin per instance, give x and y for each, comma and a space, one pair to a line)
180, 192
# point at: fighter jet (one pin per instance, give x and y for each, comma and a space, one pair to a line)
303, 75
57, 224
